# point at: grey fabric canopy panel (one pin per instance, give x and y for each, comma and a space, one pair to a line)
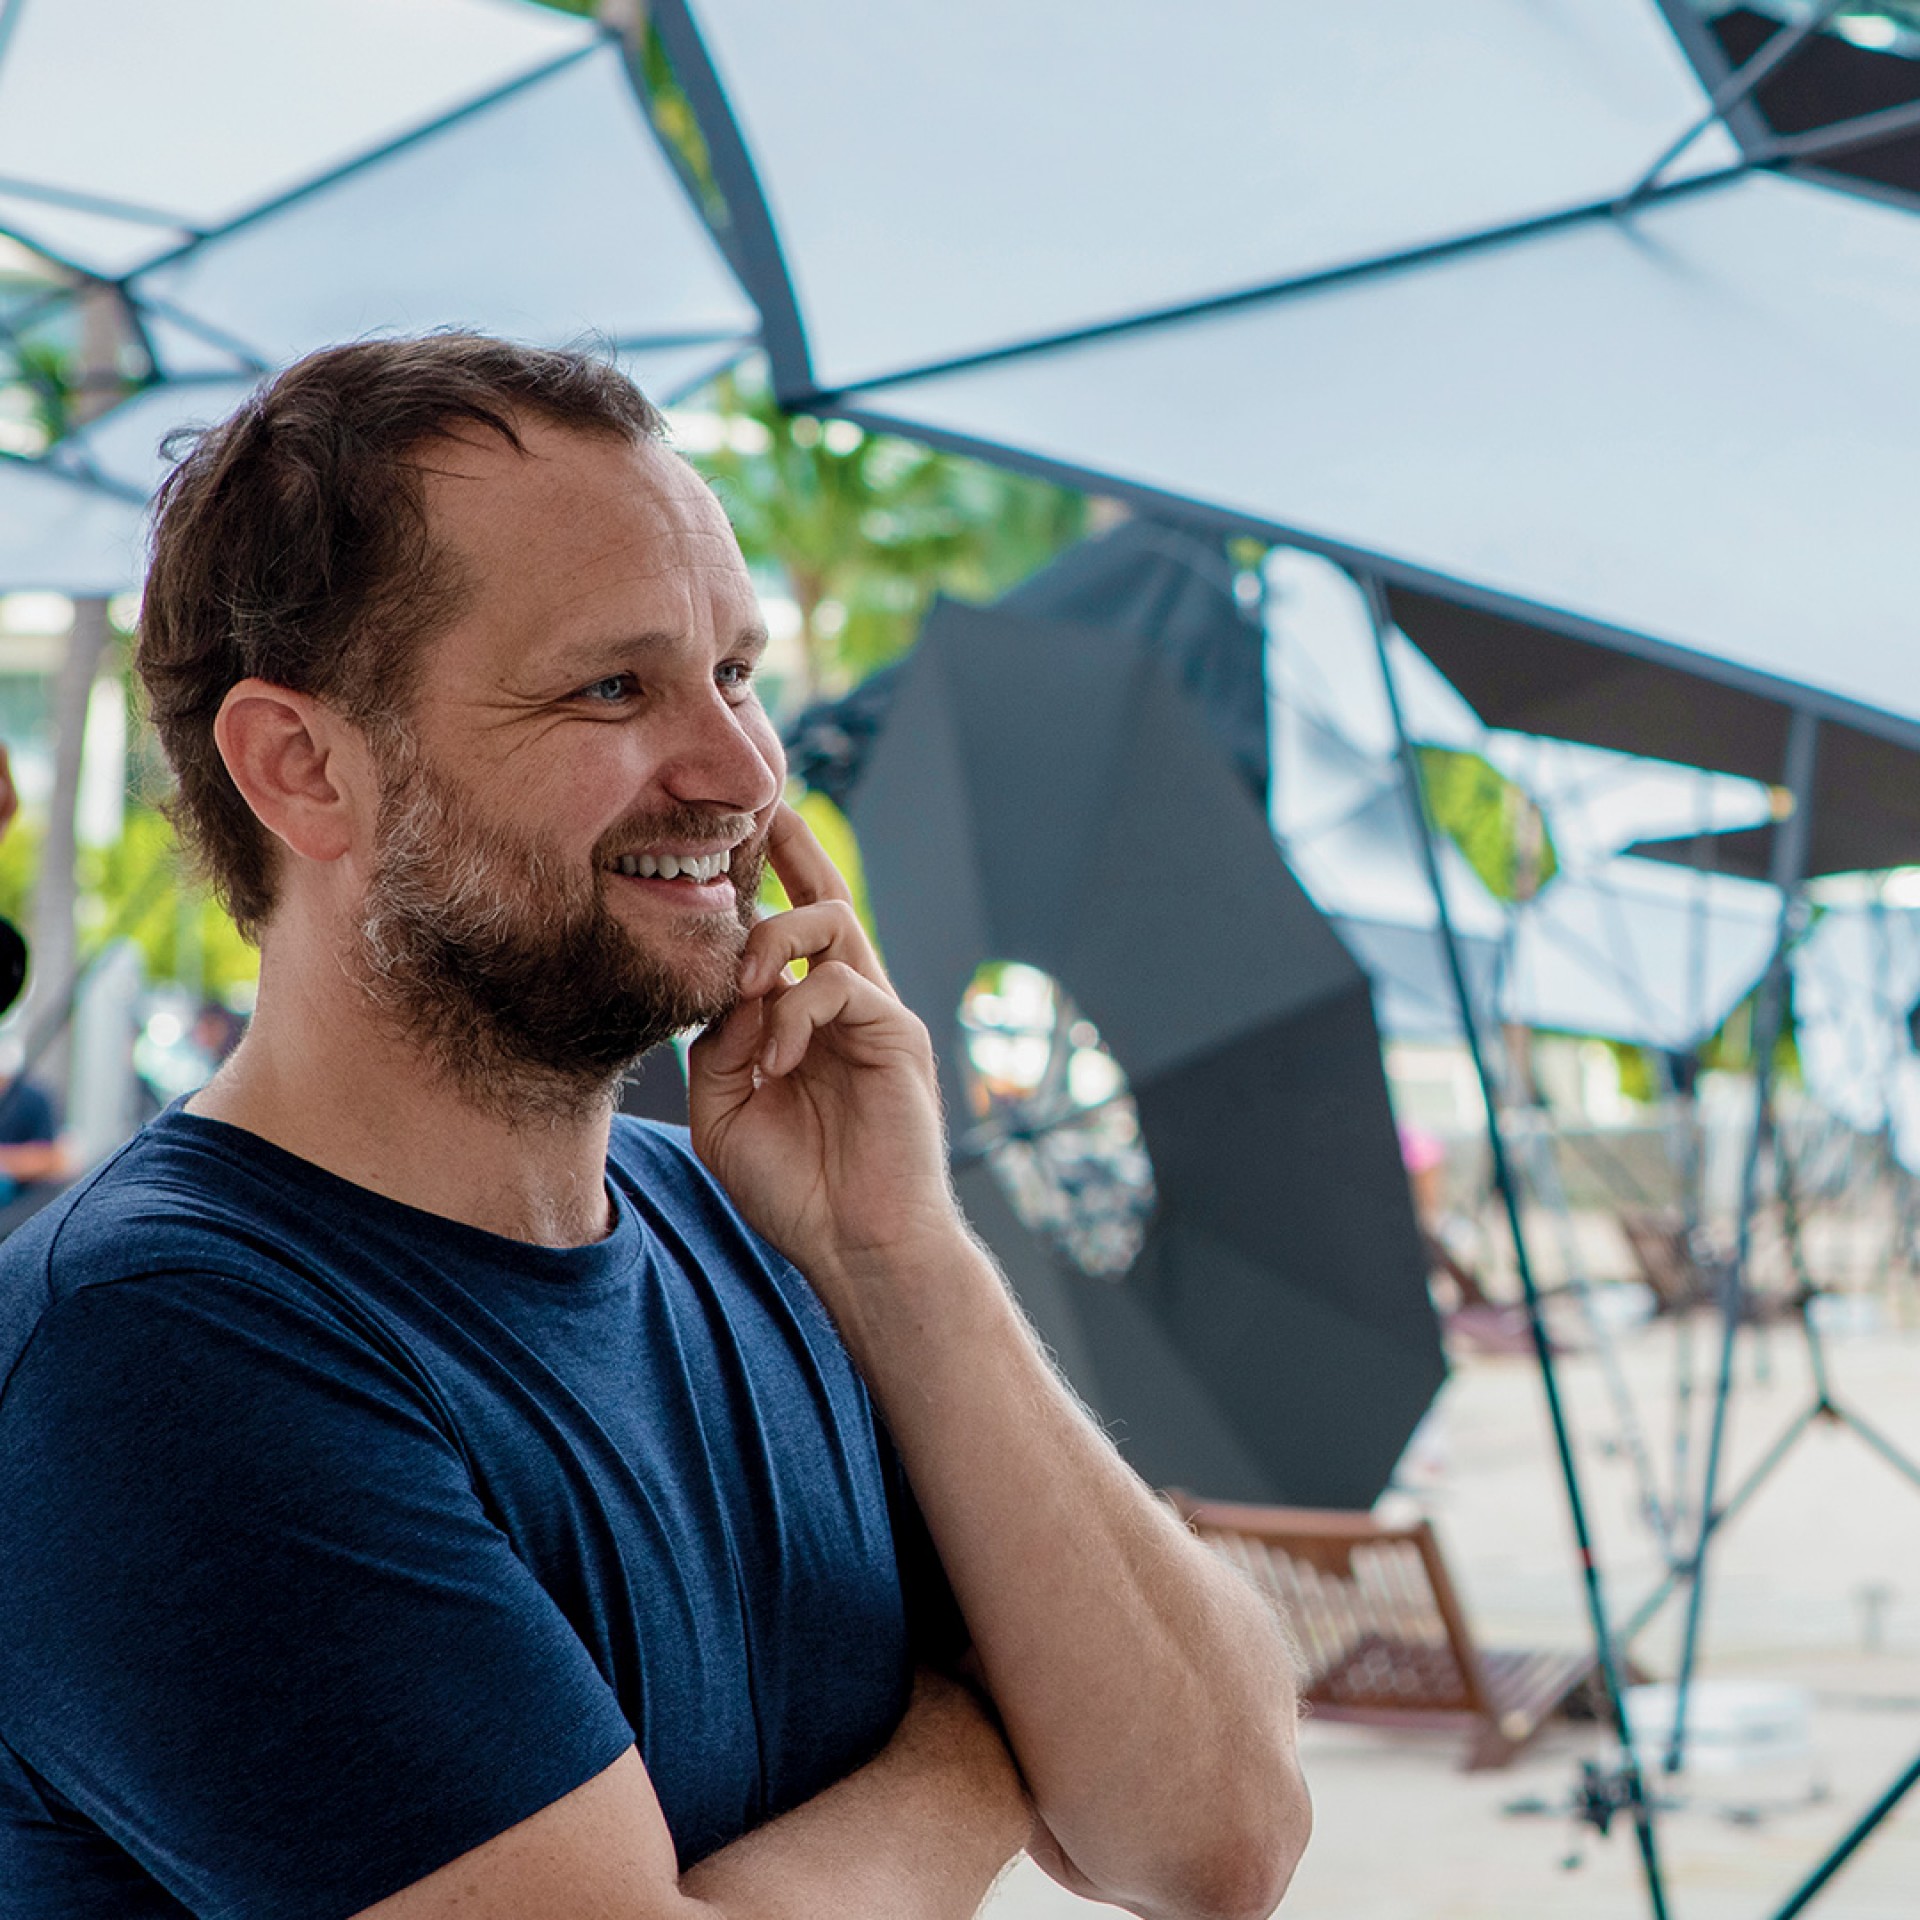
254, 182
1044, 792
1524, 675
1532, 364
61, 535
1056, 168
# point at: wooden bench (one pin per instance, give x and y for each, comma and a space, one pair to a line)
1657, 1239
1381, 1632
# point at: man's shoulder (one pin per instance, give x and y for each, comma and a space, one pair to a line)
169, 1188
169, 1201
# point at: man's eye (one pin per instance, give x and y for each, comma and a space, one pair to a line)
616, 686
735, 675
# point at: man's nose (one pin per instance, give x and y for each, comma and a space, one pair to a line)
720, 757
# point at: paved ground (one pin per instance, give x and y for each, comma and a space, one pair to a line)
1816, 1585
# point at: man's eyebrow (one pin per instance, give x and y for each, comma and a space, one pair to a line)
592, 656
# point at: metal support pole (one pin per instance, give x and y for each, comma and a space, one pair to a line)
1639, 1808
1543, 1177
1792, 840
1643, 1615
1844, 1851
1871, 1436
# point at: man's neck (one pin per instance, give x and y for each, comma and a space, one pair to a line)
322, 1074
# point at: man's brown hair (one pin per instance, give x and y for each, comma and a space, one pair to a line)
291, 544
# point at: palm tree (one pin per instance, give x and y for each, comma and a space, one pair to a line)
866, 528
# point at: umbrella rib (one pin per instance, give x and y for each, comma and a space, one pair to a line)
760, 258
51, 301
729, 349
201, 329
1846, 136
79, 483
77, 200
82, 469
1615, 959
1423, 254
686, 337
386, 149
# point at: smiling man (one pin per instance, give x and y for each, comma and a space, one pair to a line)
423, 1494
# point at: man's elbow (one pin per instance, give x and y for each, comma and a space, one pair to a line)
1245, 1855
1250, 1871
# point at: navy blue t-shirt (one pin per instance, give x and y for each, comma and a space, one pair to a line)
336, 1537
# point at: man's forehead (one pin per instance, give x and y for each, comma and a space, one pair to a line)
582, 539
477, 476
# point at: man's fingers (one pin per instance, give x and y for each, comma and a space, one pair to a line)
802, 862
826, 930
728, 1049
832, 995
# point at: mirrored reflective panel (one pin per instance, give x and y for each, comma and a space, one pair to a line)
1050, 1111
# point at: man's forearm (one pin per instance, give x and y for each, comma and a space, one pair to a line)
1147, 1692
921, 1832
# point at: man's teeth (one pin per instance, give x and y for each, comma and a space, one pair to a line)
670, 866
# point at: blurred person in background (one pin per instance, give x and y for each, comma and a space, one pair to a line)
423, 1493
35, 1163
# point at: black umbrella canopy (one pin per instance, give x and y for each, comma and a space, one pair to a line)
1533, 679
1044, 791
1175, 592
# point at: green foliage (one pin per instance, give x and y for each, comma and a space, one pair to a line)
867, 527
45, 371
1491, 820
1731, 1050
136, 890
19, 866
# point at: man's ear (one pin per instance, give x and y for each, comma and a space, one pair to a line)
303, 770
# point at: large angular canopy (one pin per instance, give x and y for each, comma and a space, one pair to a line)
1442, 292
1053, 168
1691, 429
256, 181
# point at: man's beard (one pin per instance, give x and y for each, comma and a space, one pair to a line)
505, 964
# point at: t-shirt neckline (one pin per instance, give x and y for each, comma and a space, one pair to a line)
602, 1261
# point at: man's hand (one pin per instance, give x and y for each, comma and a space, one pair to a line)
816, 1102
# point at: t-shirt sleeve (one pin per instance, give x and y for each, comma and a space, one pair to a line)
256, 1621
937, 1632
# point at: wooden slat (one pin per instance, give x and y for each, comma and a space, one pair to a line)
1380, 1626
